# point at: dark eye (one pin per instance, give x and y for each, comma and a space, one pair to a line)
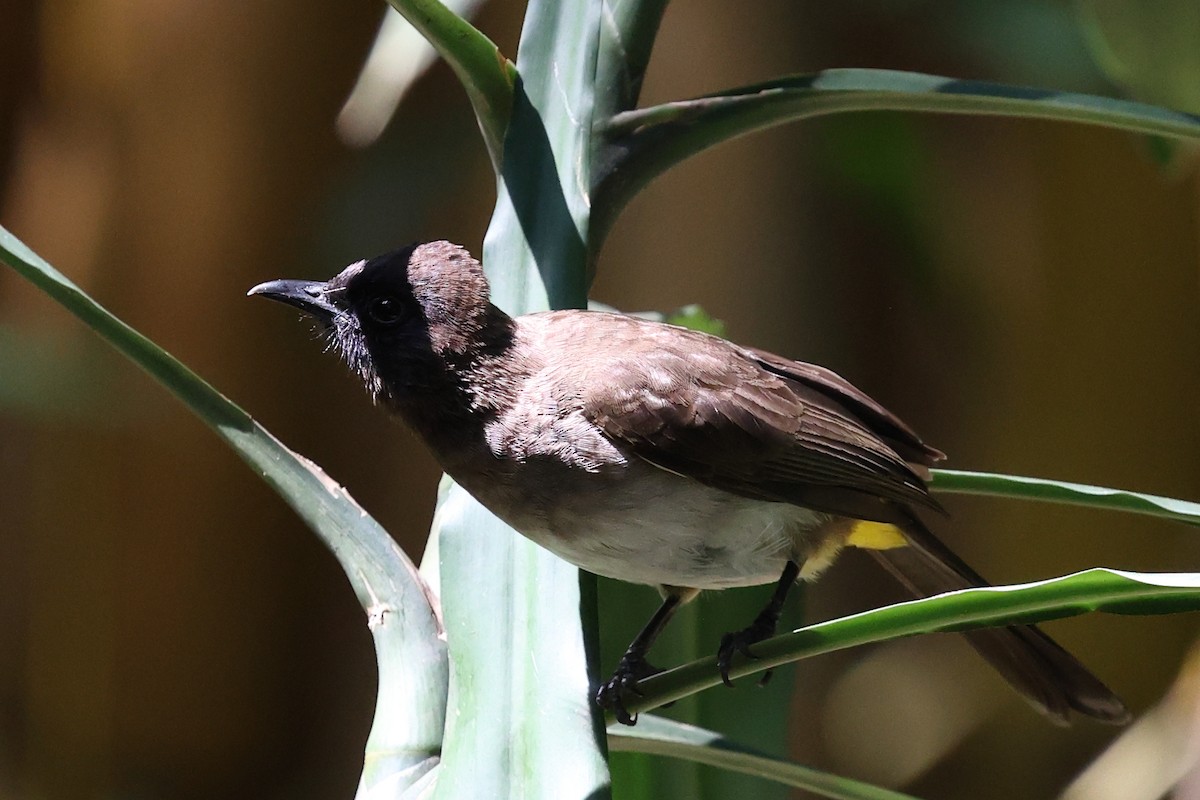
385, 310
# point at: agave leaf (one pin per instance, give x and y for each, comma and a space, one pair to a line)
644, 143
1078, 494
1093, 590
665, 737
411, 706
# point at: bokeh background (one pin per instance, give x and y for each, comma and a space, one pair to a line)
1024, 293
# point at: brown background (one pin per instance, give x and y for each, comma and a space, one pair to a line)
1023, 293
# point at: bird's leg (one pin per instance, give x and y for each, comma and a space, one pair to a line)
633, 666
762, 628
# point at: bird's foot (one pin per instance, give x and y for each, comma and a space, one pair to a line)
762, 628
631, 669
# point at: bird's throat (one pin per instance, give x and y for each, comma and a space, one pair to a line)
448, 398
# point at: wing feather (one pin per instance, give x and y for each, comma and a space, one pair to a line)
746, 421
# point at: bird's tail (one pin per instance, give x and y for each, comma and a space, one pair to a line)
1035, 665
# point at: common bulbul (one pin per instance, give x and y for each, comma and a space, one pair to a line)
659, 455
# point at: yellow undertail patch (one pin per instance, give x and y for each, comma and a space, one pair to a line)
821, 558
875, 536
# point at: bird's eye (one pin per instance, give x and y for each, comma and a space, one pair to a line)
385, 310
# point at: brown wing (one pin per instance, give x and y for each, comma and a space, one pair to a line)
850, 398
749, 423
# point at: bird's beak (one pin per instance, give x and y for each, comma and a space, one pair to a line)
308, 296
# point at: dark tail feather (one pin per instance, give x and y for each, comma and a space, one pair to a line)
1039, 668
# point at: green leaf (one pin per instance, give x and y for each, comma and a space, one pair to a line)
1079, 494
521, 713
664, 737
411, 707
482, 69
1093, 590
644, 143
627, 31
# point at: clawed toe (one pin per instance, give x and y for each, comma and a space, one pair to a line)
630, 671
740, 642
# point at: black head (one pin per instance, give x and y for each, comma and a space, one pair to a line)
404, 320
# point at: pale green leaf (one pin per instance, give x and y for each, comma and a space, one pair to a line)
411, 706
645, 142
1079, 494
664, 737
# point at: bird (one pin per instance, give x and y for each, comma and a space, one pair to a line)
659, 455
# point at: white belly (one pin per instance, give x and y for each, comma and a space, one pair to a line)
649, 526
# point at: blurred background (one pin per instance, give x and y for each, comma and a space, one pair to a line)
1023, 293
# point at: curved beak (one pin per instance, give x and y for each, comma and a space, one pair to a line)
308, 296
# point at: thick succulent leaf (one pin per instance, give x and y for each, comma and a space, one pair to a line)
1078, 494
534, 251
643, 143
521, 714
482, 69
1092, 590
627, 31
411, 707
664, 737
522, 720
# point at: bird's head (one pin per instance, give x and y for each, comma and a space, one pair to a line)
404, 320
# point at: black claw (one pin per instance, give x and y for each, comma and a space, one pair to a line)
762, 628
631, 669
